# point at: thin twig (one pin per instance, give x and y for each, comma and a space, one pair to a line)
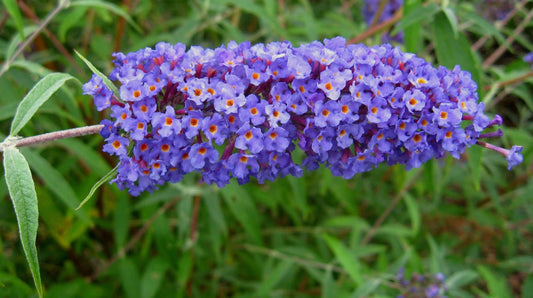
501, 49
379, 12
300, 261
508, 82
62, 4
56, 135
379, 27
389, 209
59, 46
500, 24
122, 252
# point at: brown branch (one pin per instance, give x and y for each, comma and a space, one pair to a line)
30, 38
379, 12
508, 82
379, 27
501, 49
499, 25
55, 41
122, 252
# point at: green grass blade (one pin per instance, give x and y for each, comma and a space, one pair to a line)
347, 260
22, 191
97, 185
110, 7
37, 96
13, 10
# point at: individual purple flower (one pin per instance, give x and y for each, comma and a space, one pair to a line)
166, 124
249, 138
328, 113
132, 91
415, 100
514, 157
116, 145
202, 153
144, 109
378, 111
197, 90
298, 66
192, 123
243, 166
332, 83
214, 128
447, 115
253, 111
277, 114
276, 139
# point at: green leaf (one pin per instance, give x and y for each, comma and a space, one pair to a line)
75, 17
496, 284
13, 9
38, 95
452, 20
412, 32
415, 16
244, 210
475, 154
153, 276
453, 49
347, 260
121, 221
273, 277
129, 276
328, 285
22, 191
97, 185
414, 213
54, 181
111, 7
107, 82
461, 278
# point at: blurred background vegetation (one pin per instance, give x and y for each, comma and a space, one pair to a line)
319, 235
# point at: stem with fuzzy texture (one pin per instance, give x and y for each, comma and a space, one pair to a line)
56, 135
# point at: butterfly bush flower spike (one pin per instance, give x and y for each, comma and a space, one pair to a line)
242, 111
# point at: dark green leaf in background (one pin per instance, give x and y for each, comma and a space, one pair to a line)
13, 9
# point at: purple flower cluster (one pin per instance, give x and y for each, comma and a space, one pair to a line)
421, 285
372, 7
241, 111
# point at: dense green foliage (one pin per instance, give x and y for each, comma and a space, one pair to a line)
318, 235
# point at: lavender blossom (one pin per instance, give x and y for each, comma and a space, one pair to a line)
241, 111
